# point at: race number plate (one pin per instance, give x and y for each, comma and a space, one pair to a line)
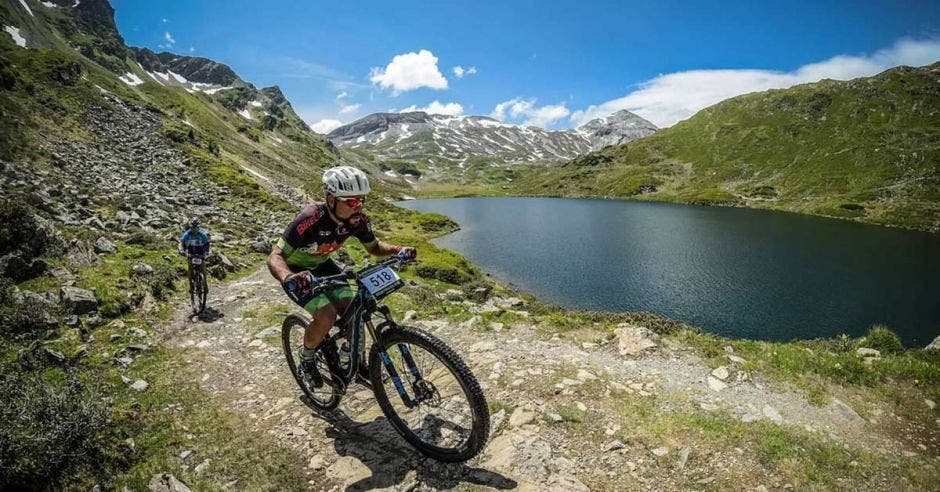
380, 279
197, 261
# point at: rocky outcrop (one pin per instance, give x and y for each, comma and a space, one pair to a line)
79, 301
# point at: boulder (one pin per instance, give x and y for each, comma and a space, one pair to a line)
103, 246
165, 482
867, 352
41, 307
261, 247
227, 263
934, 345
79, 301
142, 269
633, 340
18, 268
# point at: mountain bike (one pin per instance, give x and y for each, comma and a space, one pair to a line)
423, 387
198, 287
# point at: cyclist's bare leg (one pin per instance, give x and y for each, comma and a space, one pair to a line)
319, 326
189, 272
322, 321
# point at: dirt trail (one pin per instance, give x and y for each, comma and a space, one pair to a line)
560, 409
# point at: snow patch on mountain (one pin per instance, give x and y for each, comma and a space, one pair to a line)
23, 3
131, 78
14, 33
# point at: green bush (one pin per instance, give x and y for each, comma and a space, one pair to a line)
21, 231
478, 290
431, 222
882, 339
140, 237
18, 318
51, 432
445, 274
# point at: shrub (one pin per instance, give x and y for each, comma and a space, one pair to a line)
445, 274
23, 317
51, 432
140, 237
20, 230
477, 291
882, 339
431, 222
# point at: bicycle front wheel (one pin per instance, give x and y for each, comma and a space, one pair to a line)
430, 397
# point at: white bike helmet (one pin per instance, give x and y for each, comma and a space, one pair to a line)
344, 181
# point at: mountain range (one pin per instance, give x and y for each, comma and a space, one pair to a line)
441, 138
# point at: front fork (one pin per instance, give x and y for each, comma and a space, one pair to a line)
390, 367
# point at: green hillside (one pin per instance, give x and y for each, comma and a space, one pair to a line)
867, 149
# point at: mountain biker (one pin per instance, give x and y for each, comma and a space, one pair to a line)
194, 242
303, 253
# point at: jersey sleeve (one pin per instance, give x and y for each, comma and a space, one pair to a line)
293, 235
365, 235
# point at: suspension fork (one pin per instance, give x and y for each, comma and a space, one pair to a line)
387, 362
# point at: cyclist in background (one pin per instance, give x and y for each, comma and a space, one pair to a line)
194, 243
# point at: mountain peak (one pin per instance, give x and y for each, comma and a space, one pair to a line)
193, 68
617, 128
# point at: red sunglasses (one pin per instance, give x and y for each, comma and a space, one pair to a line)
353, 201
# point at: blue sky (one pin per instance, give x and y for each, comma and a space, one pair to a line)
553, 64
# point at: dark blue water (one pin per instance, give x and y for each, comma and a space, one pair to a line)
736, 272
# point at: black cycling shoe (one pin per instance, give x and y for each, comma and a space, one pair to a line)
309, 368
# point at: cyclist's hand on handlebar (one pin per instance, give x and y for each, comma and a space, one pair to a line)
407, 253
300, 281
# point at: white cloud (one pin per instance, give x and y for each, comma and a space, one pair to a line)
326, 126
459, 71
341, 95
348, 108
669, 98
448, 109
169, 37
409, 71
530, 115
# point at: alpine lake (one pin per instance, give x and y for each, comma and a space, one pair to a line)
736, 272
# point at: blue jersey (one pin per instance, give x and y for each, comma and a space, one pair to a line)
196, 244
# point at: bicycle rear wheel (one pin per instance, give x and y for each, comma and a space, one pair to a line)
203, 291
292, 337
194, 293
447, 417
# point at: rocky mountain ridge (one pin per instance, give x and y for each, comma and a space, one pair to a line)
417, 135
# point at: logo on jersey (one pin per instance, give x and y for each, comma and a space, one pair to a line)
309, 221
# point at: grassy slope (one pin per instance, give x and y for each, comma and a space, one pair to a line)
865, 149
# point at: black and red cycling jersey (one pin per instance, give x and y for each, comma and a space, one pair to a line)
313, 235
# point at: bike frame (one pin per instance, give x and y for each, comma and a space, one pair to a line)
358, 318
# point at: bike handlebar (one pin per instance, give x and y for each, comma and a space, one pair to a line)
339, 279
